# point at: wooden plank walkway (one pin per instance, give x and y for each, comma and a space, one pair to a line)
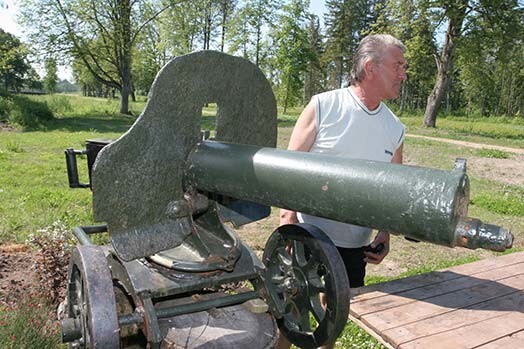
475, 305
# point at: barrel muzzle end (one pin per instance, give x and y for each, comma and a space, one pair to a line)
472, 233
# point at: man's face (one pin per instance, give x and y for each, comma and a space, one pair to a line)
392, 71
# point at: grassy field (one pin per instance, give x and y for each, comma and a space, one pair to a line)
34, 192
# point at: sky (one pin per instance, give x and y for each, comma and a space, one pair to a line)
8, 23
318, 7
7, 17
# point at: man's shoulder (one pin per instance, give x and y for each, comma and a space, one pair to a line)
392, 119
389, 113
331, 94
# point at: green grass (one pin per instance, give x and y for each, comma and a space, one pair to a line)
28, 325
33, 179
495, 131
493, 153
34, 192
437, 265
78, 106
507, 201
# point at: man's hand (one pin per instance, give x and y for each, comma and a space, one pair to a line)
288, 217
375, 258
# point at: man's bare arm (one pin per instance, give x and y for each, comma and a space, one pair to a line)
397, 156
302, 139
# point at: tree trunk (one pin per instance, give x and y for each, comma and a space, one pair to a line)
124, 99
126, 83
341, 68
224, 20
125, 79
309, 88
403, 97
258, 39
445, 63
287, 93
133, 95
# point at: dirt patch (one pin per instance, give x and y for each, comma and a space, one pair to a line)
507, 171
5, 127
17, 276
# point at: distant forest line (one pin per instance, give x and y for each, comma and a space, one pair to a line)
464, 57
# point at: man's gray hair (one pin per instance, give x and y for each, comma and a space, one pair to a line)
373, 48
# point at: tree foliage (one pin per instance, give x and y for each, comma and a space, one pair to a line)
51, 77
464, 18
101, 35
490, 61
466, 55
412, 24
253, 19
293, 52
15, 70
346, 22
315, 79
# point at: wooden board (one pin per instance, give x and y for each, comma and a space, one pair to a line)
476, 305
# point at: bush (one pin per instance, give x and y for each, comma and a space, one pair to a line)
29, 113
60, 105
4, 107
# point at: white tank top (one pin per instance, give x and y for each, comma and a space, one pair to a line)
346, 127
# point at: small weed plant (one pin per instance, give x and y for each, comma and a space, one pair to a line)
14, 147
54, 244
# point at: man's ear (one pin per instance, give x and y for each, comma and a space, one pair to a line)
369, 67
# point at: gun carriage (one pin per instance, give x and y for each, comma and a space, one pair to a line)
170, 200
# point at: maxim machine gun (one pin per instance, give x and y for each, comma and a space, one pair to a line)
170, 200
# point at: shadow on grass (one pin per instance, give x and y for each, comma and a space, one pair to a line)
100, 123
104, 123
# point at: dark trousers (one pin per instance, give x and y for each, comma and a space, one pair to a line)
355, 266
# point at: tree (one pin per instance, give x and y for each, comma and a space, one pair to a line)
252, 19
460, 16
411, 23
346, 21
179, 28
102, 34
14, 68
226, 9
51, 77
88, 83
489, 61
455, 12
292, 52
315, 79
153, 50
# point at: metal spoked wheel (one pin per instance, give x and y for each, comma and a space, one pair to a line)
91, 308
308, 285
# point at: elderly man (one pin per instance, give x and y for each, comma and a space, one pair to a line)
353, 122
